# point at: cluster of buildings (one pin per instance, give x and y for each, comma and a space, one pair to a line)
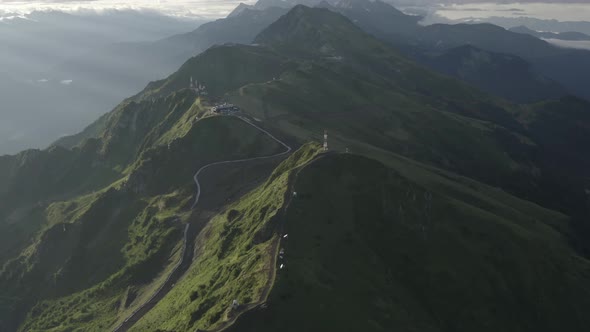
200, 89
225, 108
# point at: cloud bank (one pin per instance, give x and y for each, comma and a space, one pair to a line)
556, 11
209, 9
562, 10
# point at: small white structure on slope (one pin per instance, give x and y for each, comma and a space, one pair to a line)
200, 89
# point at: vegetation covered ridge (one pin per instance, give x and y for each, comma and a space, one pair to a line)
236, 258
97, 257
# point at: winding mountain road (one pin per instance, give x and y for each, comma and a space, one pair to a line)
196, 177
187, 250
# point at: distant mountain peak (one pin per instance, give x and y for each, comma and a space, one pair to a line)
374, 16
310, 30
239, 9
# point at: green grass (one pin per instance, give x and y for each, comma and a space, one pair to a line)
178, 128
150, 247
93, 250
209, 140
69, 211
136, 126
234, 258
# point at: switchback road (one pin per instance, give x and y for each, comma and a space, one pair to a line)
187, 249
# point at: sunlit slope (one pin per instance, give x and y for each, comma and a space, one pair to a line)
371, 250
234, 257
88, 251
33, 179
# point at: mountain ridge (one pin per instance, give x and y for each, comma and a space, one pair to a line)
461, 167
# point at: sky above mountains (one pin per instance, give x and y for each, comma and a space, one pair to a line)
562, 10
209, 9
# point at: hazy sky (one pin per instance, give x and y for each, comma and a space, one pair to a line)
563, 10
185, 8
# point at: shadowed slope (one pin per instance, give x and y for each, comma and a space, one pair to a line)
371, 250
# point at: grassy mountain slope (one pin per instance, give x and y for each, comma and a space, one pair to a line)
95, 253
335, 85
33, 179
371, 250
139, 143
234, 257
375, 248
95, 247
381, 99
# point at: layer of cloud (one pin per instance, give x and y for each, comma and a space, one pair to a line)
208, 9
557, 11
562, 10
570, 44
